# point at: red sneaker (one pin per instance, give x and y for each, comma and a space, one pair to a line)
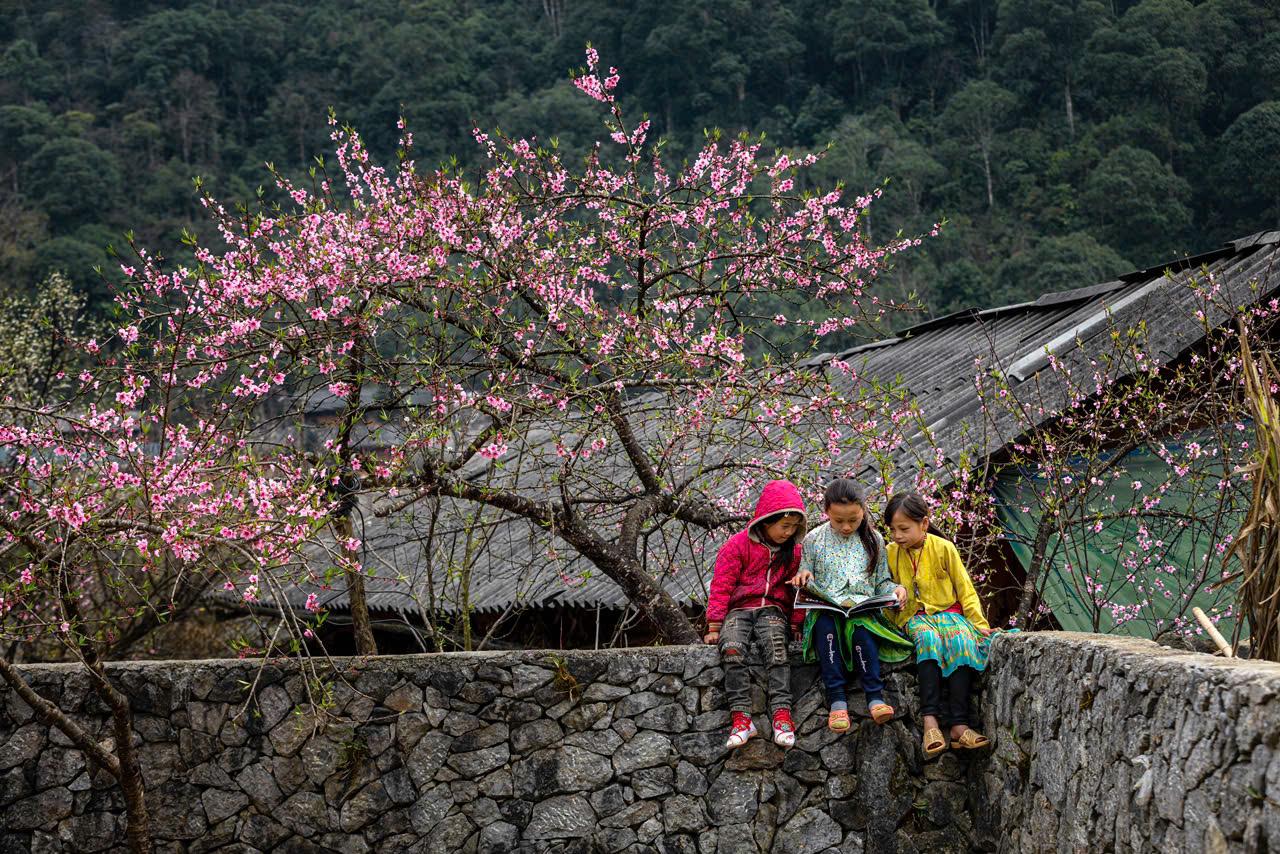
784, 730
743, 730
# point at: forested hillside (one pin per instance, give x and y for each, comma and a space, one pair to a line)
1063, 141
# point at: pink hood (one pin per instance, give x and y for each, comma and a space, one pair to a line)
779, 496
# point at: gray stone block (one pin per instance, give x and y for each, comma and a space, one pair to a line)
682, 813
498, 838
536, 735
477, 763
45, 809
645, 750
220, 804
22, 745
560, 817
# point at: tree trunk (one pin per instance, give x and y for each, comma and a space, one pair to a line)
986, 168
1071, 114
647, 595
138, 827
360, 623
1040, 546
674, 626
618, 561
348, 485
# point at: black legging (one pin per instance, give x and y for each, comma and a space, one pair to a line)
959, 684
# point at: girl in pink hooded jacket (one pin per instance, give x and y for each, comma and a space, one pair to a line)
749, 598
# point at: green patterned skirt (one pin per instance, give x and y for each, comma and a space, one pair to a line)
949, 639
893, 646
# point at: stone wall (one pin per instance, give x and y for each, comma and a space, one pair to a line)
1109, 744
493, 752
1101, 745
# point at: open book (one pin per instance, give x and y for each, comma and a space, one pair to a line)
807, 598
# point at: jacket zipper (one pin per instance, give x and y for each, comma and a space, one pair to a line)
767, 576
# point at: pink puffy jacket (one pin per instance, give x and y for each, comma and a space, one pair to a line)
745, 576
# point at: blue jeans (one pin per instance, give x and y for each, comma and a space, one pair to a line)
866, 654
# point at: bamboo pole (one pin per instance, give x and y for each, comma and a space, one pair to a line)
1214, 634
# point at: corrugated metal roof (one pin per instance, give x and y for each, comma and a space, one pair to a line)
419, 568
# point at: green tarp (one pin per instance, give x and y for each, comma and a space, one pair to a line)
1134, 575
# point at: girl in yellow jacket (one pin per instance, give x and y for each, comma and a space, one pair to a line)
943, 617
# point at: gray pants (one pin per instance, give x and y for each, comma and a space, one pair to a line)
769, 628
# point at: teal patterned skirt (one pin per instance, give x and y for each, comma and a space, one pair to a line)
949, 639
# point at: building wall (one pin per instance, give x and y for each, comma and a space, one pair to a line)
1101, 745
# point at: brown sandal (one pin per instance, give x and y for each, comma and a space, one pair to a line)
971, 740
881, 713
933, 743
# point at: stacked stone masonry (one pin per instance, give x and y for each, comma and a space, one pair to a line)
1101, 745
1105, 744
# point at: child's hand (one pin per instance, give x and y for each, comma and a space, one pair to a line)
900, 593
988, 631
801, 578
712, 637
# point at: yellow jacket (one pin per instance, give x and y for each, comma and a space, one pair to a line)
942, 580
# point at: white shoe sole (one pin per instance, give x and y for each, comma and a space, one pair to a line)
738, 740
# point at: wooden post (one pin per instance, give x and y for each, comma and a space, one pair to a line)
1214, 634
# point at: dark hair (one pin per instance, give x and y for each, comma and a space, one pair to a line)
910, 503
844, 490
786, 554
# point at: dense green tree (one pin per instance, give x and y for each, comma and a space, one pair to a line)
977, 114
73, 181
881, 39
22, 131
558, 113
22, 231
1249, 168
28, 76
1057, 264
1042, 47
1235, 40
1133, 199
82, 251
1115, 60
1170, 22
1024, 125
966, 285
